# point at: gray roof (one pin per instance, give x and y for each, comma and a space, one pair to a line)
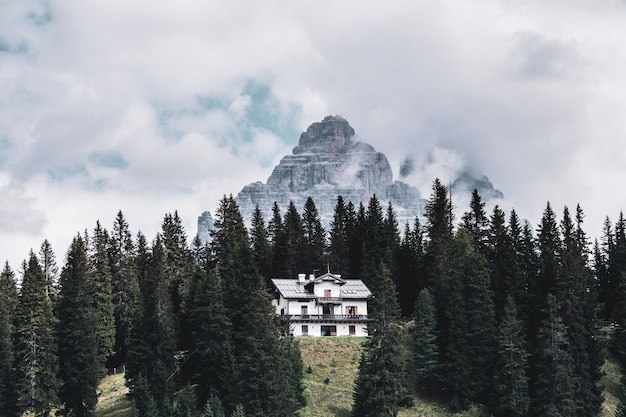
290, 288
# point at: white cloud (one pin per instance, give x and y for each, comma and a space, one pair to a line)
163, 106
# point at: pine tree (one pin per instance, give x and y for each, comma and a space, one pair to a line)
8, 303
239, 411
35, 342
47, 260
480, 329
80, 357
410, 272
100, 280
295, 241
338, 246
267, 363
554, 391
124, 285
315, 237
278, 240
212, 361
476, 223
510, 381
425, 351
381, 385
261, 247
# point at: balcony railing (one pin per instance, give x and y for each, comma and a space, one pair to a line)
329, 300
329, 317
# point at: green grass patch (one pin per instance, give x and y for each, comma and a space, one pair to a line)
113, 399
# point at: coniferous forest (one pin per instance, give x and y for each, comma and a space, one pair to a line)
516, 317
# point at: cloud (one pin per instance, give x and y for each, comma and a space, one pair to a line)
156, 106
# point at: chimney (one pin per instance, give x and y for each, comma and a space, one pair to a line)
301, 278
311, 277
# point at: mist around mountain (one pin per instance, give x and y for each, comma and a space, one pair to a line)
328, 162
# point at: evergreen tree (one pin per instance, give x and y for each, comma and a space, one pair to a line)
506, 276
554, 391
152, 341
212, 360
35, 343
476, 223
510, 382
80, 357
261, 247
278, 240
410, 273
213, 407
125, 285
480, 330
315, 237
425, 351
239, 411
296, 242
381, 385
338, 256
267, 363
8, 303
356, 229
47, 260
100, 279
439, 233
375, 250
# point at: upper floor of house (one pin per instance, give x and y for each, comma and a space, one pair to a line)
322, 298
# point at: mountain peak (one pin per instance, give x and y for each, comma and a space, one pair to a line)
332, 135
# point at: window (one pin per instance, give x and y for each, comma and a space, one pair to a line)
352, 330
304, 310
305, 330
351, 311
326, 293
328, 330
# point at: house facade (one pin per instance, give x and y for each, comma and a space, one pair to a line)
327, 305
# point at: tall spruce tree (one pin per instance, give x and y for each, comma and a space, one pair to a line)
211, 363
476, 223
338, 257
47, 260
267, 361
261, 247
554, 382
381, 386
296, 242
35, 343
315, 237
511, 397
124, 285
8, 303
80, 356
101, 283
425, 351
410, 273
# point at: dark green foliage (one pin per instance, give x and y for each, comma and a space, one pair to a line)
381, 386
261, 248
267, 362
338, 247
476, 223
480, 330
35, 343
213, 407
124, 286
99, 276
211, 364
295, 241
239, 411
47, 260
142, 399
185, 403
554, 390
8, 302
409, 271
425, 351
80, 357
315, 238
510, 381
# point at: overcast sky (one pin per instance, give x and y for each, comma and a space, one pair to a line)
150, 107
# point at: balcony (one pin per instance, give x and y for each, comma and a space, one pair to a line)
329, 300
316, 318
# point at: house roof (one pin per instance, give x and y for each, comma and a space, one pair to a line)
291, 288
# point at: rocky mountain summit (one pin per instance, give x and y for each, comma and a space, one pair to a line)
329, 162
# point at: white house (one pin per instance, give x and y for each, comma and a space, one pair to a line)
326, 305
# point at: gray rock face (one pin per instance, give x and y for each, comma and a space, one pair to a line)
328, 162
205, 225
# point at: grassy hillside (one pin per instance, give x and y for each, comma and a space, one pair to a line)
331, 366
